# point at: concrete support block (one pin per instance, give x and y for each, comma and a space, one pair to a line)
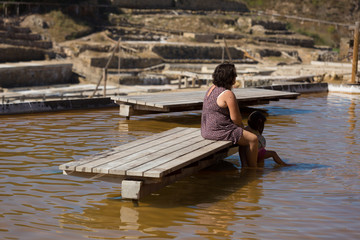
125, 110
130, 189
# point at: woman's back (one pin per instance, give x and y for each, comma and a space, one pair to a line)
215, 121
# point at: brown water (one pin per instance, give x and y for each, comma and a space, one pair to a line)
319, 198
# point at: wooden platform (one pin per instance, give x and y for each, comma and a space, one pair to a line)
193, 100
147, 164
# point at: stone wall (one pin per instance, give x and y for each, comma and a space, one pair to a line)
15, 54
171, 52
208, 5
271, 25
19, 44
127, 63
300, 88
19, 36
303, 42
56, 105
34, 74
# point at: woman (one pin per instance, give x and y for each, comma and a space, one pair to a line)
221, 118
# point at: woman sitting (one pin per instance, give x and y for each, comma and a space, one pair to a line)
221, 118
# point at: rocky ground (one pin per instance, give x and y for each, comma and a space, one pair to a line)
154, 41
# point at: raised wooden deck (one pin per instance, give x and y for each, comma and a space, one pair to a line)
147, 164
193, 100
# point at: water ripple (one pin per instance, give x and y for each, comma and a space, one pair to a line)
318, 198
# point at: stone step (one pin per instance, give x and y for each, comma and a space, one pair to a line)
27, 43
279, 32
14, 29
303, 42
20, 36
36, 73
11, 53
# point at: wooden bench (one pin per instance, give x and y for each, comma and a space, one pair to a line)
148, 164
193, 100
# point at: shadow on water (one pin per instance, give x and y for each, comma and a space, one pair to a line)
303, 167
210, 198
215, 190
219, 182
207, 186
281, 111
187, 118
184, 118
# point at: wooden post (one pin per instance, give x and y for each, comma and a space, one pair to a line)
227, 51
193, 82
179, 82
106, 67
105, 79
223, 55
355, 53
119, 61
5, 10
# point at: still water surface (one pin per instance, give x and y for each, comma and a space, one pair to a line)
319, 198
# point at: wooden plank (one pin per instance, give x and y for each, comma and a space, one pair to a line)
175, 103
139, 171
71, 165
240, 98
91, 176
164, 98
186, 159
179, 95
150, 187
134, 151
104, 154
156, 158
195, 97
135, 159
88, 166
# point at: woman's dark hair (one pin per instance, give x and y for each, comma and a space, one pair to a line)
224, 75
256, 121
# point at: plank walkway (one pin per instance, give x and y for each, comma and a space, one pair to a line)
147, 164
193, 100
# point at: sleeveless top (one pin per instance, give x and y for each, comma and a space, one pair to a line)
216, 123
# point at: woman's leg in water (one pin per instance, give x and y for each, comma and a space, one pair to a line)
242, 155
249, 139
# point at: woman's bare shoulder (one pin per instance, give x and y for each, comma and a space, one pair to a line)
228, 94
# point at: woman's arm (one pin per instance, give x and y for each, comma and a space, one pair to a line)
228, 99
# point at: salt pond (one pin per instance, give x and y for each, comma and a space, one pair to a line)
316, 199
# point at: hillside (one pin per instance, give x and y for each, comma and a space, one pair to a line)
268, 33
342, 11
338, 11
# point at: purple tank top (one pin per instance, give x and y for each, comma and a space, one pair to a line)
215, 121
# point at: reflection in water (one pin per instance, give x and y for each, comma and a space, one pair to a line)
352, 122
160, 122
316, 199
213, 195
129, 217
